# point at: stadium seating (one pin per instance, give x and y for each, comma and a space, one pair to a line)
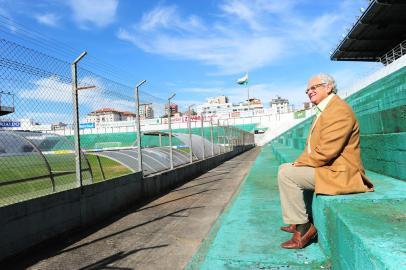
365, 231
122, 139
127, 139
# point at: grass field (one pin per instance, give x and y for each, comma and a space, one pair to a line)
15, 168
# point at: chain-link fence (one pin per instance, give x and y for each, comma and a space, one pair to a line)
63, 126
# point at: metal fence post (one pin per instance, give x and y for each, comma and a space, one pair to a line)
170, 131
225, 139
218, 135
202, 134
78, 165
138, 123
189, 123
233, 137
211, 137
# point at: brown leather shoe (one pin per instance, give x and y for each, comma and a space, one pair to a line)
290, 229
299, 241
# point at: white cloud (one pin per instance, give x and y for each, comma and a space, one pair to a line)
49, 19
243, 36
52, 90
94, 12
243, 12
230, 55
168, 18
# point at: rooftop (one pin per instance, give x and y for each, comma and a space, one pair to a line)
379, 29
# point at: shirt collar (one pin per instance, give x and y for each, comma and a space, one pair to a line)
323, 104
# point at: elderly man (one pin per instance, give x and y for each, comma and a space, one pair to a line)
330, 163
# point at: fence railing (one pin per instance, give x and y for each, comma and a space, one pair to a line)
48, 106
393, 54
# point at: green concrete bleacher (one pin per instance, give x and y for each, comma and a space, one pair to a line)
365, 231
247, 234
127, 139
120, 139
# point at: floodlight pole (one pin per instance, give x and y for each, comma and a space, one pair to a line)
138, 120
79, 179
189, 124
170, 131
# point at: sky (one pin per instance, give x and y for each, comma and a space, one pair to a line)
198, 49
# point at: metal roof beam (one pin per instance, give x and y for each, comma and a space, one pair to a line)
365, 51
370, 39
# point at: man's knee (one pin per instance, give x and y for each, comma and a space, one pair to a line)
283, 171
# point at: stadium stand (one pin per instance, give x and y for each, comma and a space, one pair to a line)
121, 139
365, 231
355, 231
380, 109
378, 30
127, 139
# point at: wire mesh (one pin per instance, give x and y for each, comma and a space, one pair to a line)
37, 127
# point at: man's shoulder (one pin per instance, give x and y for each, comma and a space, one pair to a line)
339, 105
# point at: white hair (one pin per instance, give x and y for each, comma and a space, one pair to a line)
326, 78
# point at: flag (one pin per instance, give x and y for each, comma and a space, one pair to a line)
243, 80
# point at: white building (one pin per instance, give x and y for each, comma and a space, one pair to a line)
108, 115
128, 116
279, 105
217, 100
219, 106
146, 111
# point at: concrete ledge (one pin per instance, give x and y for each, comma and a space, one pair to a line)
285, 153
361, 231
368, 235
28, 223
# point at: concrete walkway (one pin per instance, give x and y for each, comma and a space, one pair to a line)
163, 234
247, 235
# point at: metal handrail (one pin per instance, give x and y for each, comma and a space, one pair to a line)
393, 54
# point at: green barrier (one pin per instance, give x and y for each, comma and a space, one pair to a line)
299, 114
127, 139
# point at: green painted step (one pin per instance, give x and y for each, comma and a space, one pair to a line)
247, 235
369, 235
327, 214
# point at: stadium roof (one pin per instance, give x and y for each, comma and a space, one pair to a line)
380, 28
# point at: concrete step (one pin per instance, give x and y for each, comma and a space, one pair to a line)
247, 235
285, 153
364, 231
360, 231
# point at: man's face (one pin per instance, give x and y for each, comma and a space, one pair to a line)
317, 90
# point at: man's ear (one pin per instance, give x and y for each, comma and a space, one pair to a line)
330, 88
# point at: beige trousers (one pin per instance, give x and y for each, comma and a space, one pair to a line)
296, 187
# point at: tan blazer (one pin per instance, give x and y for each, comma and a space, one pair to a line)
335, 152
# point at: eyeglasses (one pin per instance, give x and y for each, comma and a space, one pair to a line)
314, 87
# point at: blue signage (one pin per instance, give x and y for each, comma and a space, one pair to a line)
10, 124
86, 125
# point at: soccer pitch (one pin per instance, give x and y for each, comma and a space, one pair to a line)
27, 176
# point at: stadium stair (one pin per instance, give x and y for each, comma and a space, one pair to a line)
247, 234
360, 231
355, 231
